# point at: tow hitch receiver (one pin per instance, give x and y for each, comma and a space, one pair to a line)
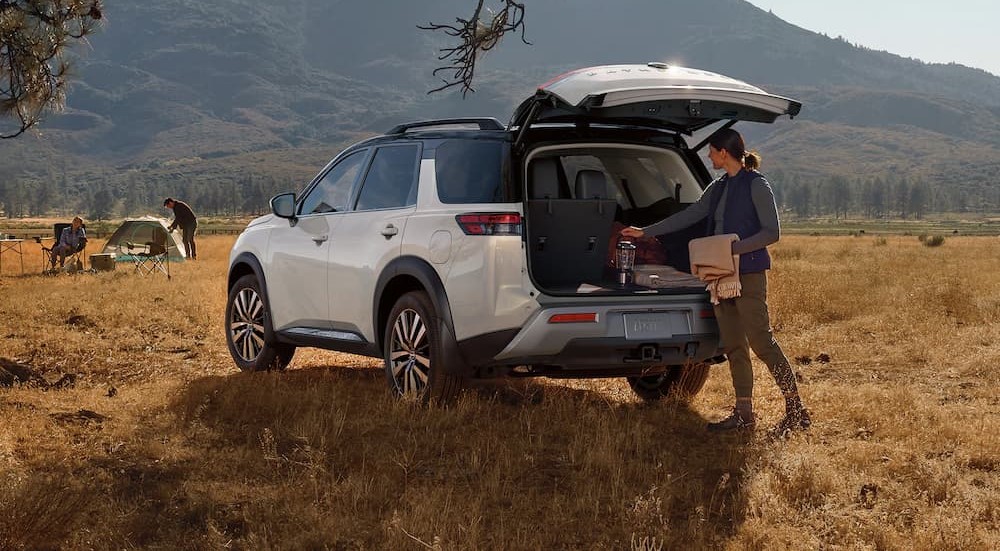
646, 353
649, 352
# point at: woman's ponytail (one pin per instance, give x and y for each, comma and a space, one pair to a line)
732, 142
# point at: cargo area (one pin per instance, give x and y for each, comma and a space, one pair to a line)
579, 198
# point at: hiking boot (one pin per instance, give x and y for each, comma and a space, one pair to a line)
735, 421
794, 420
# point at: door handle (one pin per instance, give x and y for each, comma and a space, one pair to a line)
320, 238
389, 231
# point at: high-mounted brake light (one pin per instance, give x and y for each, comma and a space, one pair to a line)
500, 223
587, 317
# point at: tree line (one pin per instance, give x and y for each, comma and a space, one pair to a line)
798, 195
878, 196
102, 200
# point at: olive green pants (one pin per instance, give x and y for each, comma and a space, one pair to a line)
744, 324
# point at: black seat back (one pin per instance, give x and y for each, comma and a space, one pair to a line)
58, 229
157, 245
568, 238
591, 184
547, 180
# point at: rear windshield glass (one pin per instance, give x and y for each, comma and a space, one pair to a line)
470, 171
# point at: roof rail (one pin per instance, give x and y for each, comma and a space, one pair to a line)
485, 123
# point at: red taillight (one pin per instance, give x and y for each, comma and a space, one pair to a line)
706, 314
589, 317
502, 223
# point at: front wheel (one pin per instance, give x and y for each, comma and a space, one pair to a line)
248, 329
681, 382
413, 352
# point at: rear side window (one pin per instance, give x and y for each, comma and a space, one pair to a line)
391, 180
470, 171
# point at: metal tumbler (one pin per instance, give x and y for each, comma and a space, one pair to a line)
625, 261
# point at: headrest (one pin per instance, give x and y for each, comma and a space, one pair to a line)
545, 178
591, 184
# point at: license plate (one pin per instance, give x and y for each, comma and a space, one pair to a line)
657, 325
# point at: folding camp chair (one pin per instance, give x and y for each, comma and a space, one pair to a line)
73, 260
152, 255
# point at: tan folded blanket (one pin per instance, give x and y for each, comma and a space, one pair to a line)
712, 260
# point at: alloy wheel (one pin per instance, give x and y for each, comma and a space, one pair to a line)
246, 324
409, 353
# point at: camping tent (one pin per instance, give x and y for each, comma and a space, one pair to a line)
140, 231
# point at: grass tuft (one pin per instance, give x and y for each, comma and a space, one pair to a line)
934, 241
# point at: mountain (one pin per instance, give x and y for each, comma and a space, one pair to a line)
191, 93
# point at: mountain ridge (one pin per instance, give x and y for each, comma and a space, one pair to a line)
181, 82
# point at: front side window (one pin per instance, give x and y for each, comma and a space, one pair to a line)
391, 180
333, 192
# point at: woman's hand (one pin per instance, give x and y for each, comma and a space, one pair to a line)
633, 231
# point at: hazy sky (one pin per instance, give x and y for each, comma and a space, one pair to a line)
963, 31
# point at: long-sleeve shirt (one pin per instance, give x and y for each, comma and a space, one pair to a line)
763, 202
183, 216
72, 239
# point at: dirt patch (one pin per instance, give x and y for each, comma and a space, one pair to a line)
79, 320
82, 416
14, 373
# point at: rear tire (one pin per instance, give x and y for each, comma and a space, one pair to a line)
413, 350
249, 334
679, 382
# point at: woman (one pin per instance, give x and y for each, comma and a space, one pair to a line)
741, 202
71, 240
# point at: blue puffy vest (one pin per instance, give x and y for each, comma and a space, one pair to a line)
740, 216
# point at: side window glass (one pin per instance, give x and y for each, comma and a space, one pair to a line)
333, 192
391, 180
470, 171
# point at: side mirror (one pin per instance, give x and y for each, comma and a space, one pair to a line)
283, 206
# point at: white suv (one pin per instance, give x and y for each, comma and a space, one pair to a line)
461, 248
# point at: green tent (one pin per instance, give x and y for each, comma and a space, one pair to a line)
139, 232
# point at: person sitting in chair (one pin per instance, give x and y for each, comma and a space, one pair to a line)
72, 240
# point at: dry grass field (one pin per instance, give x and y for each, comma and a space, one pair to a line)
156, 441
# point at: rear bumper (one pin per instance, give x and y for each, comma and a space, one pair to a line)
627, 355
670, 334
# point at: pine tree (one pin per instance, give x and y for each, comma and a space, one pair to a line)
34, 37
917, 203
101, 203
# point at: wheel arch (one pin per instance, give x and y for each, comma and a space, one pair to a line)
247, 264
401, 276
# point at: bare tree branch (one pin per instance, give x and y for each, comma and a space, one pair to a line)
477, 35
34, 35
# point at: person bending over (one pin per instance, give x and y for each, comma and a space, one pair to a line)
185, 219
